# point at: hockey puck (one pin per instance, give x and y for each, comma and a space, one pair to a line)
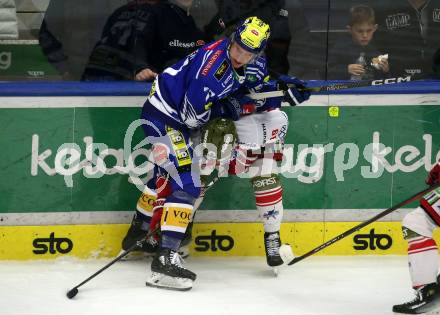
286, 253
72, 293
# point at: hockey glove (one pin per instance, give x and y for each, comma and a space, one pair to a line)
295, 94
219, 132
219, 136
255, 73
233, 107
433, 176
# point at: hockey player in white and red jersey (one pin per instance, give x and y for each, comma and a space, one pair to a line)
418, 227
183, 98
260, 142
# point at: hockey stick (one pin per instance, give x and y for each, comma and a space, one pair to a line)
415, 197
74, 291
340, 86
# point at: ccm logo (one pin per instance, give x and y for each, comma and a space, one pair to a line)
52, 245
213, 242
391, 80
372, 241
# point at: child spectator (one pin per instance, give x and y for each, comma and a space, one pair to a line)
353, 58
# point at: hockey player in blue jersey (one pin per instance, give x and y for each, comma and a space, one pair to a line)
209, 83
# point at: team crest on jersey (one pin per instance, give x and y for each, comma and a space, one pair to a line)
211, 62
221, 70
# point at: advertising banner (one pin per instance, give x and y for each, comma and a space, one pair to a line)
209, 239
70, 168
23, 59
80, 159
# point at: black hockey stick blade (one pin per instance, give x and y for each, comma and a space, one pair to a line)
415, 197
74, 291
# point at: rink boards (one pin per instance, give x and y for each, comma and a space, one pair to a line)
209, 239
347, 157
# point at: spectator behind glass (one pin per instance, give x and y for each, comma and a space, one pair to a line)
232, 12
69, 31
141, 39
409, 31
352, 56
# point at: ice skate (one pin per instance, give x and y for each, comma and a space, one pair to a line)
145, 250
167, 272
427, 301
272, 244
137, 231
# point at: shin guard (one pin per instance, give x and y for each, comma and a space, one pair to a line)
269, 201
423, 260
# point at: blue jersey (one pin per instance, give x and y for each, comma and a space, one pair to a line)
186, 92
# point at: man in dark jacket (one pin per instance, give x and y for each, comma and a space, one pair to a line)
409, 31
142, 38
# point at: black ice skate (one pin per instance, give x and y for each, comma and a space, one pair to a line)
136, 233
427, 301
272, 243
167, 272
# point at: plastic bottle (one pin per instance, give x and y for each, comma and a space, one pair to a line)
360, 61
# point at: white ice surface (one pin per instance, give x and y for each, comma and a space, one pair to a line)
367, 285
